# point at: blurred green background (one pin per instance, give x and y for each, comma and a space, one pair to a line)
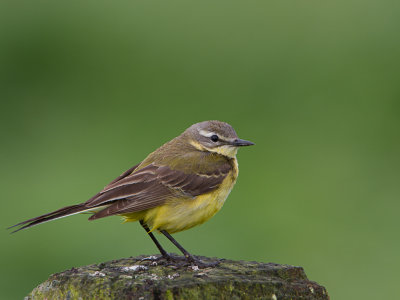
88, 89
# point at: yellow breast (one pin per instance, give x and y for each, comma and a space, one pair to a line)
181, 214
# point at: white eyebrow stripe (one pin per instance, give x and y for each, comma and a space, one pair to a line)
207, 133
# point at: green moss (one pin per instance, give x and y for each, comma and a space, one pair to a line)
133, 278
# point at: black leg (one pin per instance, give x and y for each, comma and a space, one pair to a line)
191, 259
188, 256
163, 252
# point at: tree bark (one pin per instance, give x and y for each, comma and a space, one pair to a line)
155, 278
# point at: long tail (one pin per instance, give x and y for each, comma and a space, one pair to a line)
60, 213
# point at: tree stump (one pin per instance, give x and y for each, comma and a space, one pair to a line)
155, 278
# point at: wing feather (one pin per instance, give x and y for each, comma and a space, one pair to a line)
152, 186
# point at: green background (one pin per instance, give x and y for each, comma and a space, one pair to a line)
89, 88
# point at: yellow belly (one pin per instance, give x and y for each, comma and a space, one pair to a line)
181, 214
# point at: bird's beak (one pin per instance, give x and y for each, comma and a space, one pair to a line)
240, 143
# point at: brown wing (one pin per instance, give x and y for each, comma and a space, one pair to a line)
122, 176
151, 186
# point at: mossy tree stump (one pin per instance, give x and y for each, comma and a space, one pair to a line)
155, 278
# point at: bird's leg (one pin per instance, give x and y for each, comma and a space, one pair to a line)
183, 250
191, 259
163, 252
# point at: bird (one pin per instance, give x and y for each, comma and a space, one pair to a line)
178, 186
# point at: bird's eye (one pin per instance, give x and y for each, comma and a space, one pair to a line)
214, 138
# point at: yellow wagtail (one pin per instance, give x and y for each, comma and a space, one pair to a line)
180, 185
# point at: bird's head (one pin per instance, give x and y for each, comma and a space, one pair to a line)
215, 136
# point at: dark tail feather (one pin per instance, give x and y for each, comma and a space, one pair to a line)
62, 212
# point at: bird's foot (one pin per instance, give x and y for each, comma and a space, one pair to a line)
195, 262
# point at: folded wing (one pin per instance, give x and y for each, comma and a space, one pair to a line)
152, 186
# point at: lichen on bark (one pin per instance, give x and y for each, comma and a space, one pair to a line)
154, 278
